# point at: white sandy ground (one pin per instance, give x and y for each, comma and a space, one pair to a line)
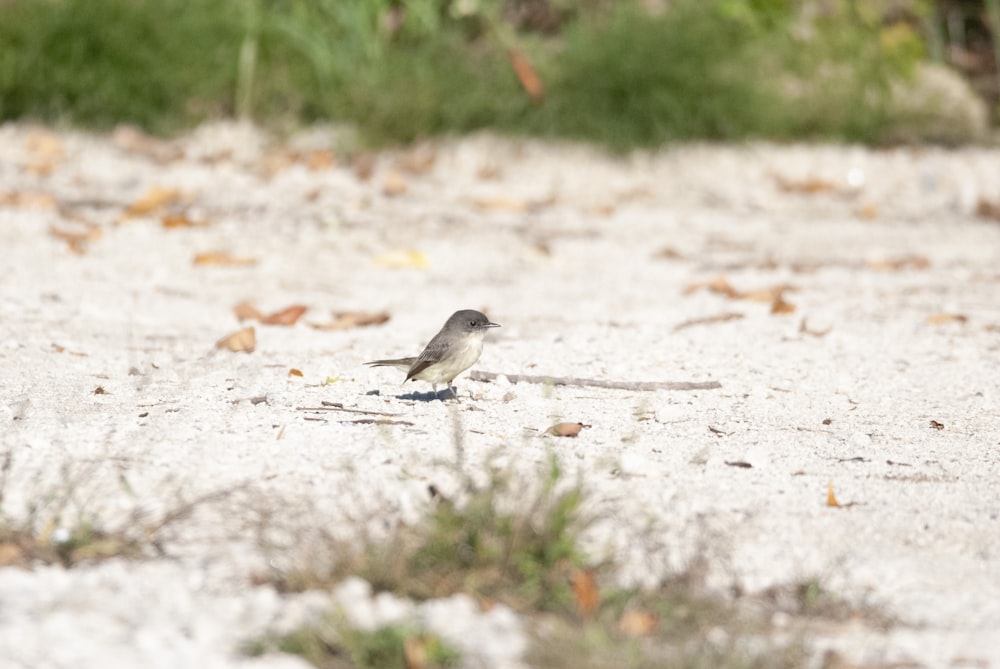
561, 246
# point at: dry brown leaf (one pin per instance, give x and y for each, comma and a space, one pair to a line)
831, 499
987, 209
223, 258
402, 259
808, 186
11, 554
77, 240
782, 306
501, 203
154, 199
585, 591
322, 159
287, 316
245, 311
565, 429
940, 319
668, 253
28, 200
936, 425
394, 184
173, 221
719, 284
527, 75
637, 623
295, 372
896, 264
346, 320
241, 341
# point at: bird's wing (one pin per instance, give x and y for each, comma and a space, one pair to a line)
432, 353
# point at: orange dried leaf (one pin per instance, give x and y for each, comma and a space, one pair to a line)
394, 184
809, 186
28, 200
153, 199
940, 319
831, 499
637, 623
245, 311
320, 160
346, 320
241, 341
287, 316
527, 75
780, 306
77, 240
565, 429
223, 258
295, 372
868, 211
501, 203
173, 221
585, 591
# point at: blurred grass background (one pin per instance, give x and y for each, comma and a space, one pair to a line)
624, 74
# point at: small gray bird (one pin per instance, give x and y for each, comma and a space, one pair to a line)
452, 350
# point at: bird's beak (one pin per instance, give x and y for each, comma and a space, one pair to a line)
492, 325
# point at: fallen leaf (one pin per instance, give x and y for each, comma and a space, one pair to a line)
402, 259
808, 186
782, 306
936, 425
241, 341
987, 209
637, 623
77, 240
527, 75
501, 203
28, 200
831, 499
565, 429
245, 311
939, 319
706, 320
897, 264
223, 259
719, 284
295, 372
287, 316
99, 390
739, 463
321, 159
174, 221
668, 253
157, 197
11, 554
394, 184
346, 320
585, 591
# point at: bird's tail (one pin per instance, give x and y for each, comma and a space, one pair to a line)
404, 363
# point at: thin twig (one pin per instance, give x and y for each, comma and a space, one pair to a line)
598, 383
337, 406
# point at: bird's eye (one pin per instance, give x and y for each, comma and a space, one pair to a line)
472, 323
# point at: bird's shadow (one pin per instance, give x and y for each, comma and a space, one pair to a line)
448, 394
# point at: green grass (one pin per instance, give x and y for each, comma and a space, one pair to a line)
615, 75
